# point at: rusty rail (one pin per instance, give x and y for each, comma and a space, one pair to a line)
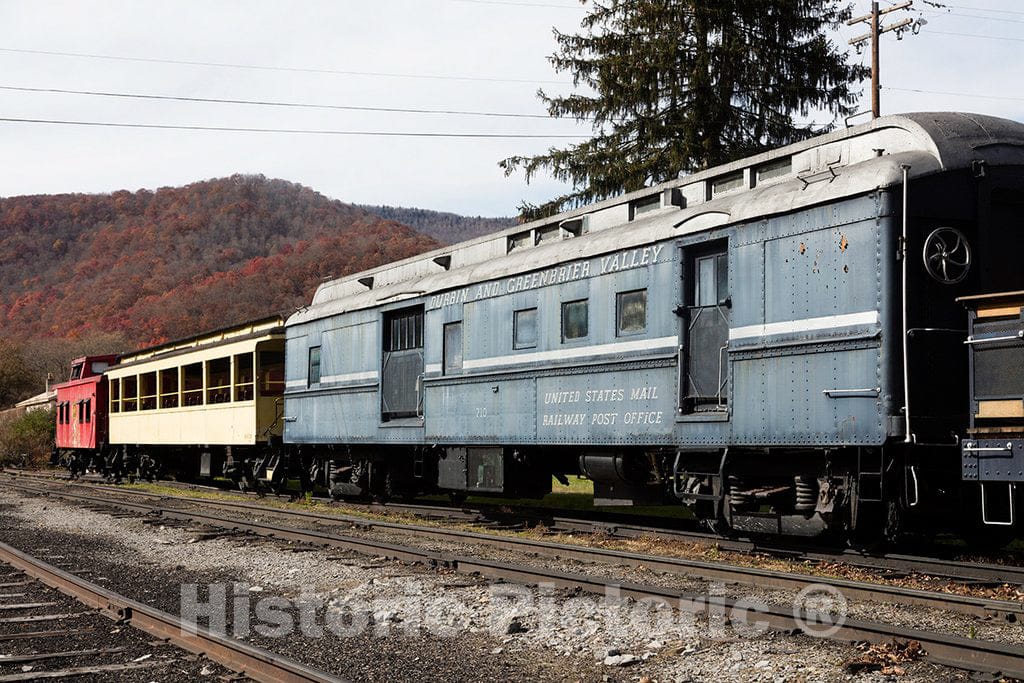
253, 662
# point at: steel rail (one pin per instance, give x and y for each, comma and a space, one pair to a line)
852, 590
945, 649
892, 562
899, 563
254, 662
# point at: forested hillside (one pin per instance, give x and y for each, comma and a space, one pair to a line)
447, 228
154, 265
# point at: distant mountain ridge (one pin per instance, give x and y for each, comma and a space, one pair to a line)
156, 265
447, 228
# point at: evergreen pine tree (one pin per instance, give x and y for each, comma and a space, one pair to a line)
676, 86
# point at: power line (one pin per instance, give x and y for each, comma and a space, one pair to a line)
955, 94
972, 35
289, 69
972, 16
269, 103
302, 131
982, 9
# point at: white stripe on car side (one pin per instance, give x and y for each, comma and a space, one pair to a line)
369, 375
574, 353
826, 322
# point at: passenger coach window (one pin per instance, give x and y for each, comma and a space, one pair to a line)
218, 380
314, 366
244, 377
115, 395
575, 324
631, 312
169, 388
129, 400
452, 348
192, 384
524, 329
147, 391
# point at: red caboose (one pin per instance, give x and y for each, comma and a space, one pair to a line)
82, 408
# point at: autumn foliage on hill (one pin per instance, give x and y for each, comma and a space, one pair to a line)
153, 266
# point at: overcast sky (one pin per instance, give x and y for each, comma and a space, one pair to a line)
468, 55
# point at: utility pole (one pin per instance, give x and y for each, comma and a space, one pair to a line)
877, 29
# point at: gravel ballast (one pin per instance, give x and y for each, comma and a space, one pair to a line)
371, 619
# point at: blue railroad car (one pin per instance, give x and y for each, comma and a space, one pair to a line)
775, 342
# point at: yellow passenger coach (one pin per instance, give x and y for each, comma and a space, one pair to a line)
221, 391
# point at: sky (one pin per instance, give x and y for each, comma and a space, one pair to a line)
455, 55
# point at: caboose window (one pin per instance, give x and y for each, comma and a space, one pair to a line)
218, 380
524, 329
314, 366
575, 323
192, 384
87, 407
452, 348
169, 388
631, 312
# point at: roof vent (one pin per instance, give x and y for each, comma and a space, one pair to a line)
574, 227
366, 282
444, 261
641, 206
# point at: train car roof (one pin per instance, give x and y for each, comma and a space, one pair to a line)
842, 163
236, 332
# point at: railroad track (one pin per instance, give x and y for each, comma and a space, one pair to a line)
941, 648
32, 584
893, 565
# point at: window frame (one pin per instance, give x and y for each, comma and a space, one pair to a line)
168, 397
619, 330
243, 390
586, 332
310, 353
114, 389
446, 368
516, 344
213, 370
